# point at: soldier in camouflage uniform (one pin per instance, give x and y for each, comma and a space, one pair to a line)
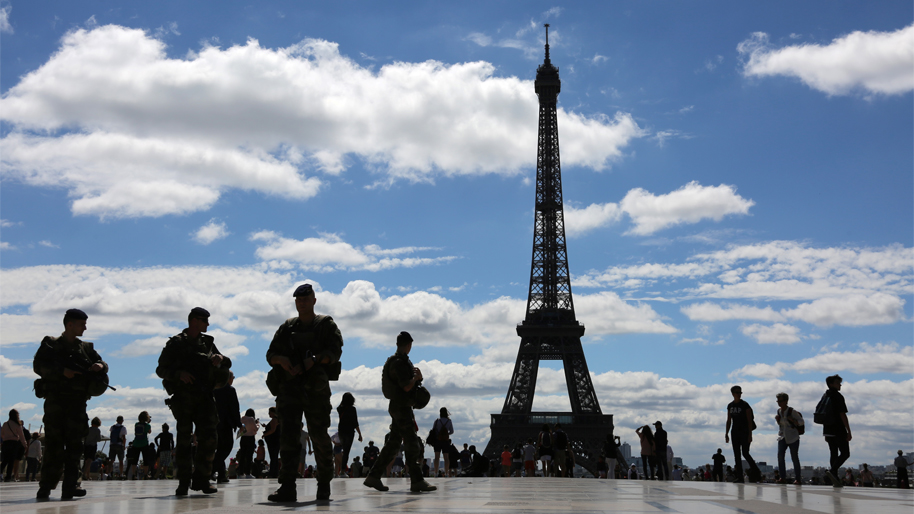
400, 383
71, 372
305, 355
191, 367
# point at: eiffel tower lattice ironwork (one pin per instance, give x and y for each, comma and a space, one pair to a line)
550, 330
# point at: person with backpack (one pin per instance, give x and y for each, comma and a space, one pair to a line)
440, 439
831, 412
544, 448
790, 428
742, 421
559, 446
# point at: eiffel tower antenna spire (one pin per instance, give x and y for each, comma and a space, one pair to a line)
550, 330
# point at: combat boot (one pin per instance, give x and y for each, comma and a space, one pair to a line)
323, 491
203, 486
43, 494
73, 492
285, 494
422, 487
183, 485
375, 482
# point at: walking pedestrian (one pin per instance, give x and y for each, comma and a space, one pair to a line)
836, 429
348, 426
13, 446
544, 448
401, 384
65, 391
742, 421
305, 356
271, 435
442, 429
790, 422
229, 412
661, 442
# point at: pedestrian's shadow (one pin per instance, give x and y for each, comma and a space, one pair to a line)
296, 504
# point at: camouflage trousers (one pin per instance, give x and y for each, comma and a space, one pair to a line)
402, 430
65, 426
194, 411
315, 406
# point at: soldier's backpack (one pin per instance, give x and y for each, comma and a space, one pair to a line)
825, 411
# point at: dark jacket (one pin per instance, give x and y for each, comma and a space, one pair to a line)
181, 353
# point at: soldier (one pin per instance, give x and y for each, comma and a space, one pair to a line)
401, 384
71, 372
191, 367
305, 355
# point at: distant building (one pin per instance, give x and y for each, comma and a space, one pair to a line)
627, 451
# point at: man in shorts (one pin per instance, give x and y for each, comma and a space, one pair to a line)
118, 435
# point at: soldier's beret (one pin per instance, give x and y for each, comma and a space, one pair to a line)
75, 314
303, 290
199, 312
404, 338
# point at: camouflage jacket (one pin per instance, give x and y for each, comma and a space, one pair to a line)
397, 373
181, 353
297, 340
55, 354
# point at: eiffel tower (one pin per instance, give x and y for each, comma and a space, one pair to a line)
550, 330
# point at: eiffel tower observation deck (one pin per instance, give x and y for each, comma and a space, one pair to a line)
550, 330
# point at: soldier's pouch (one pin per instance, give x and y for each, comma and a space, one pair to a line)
275, 381
333, 370
41, 388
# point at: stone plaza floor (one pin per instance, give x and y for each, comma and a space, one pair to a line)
470, 495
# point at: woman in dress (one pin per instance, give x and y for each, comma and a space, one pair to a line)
348, 427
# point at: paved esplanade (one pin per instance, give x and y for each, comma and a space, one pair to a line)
476, 495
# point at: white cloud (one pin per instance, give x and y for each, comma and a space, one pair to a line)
597, 59
595, 215
152, 135
12, 369
151, 304
708, 311
689, 204
851, 310
212, 231
329, 252
6, 246
8, 223
877, 62
877, 358
868, 359
48, 244
779, 270
5, 19
779, 333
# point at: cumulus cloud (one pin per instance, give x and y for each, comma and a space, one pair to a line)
778, 333
212, 231
149, 135
780, 270
650, 213
875, 62
329, 252
867, 359
12, 369
849, 310
151, 304
594, 216
689, 204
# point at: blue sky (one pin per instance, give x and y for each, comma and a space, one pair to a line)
737, 182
